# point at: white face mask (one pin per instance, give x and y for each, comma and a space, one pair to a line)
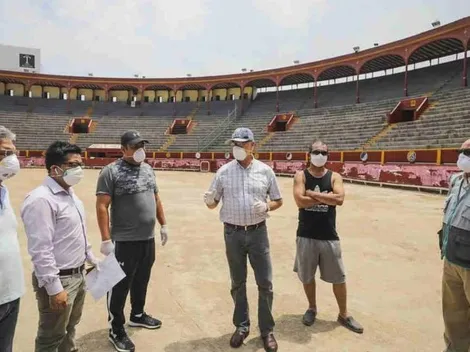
239, 153
9, 167
463, 163
139, 155
318, 160
73, 176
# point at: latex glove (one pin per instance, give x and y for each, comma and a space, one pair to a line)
209, 197
107, 247
260, 207
95, 263
164, 234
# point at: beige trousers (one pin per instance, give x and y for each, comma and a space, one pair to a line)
456, 307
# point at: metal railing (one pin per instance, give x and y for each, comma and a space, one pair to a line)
207, 141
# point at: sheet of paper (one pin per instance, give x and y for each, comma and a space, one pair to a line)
102, 281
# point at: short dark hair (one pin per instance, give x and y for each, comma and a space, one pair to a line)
56, 153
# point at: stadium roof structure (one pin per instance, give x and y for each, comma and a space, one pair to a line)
445, 40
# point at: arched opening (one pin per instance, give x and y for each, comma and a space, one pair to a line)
435, 65
223, 98
382, 78
329, 90
296, 92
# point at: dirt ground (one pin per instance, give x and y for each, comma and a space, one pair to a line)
390, 251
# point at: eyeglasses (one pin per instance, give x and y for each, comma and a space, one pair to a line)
74, 165
316, 152
465, 152
4, 153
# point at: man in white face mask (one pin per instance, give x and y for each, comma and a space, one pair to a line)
455, 250
11, 268
128, 230
243, 185
55, 226
317, 193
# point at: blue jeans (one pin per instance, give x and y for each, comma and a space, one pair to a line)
252, 244
8, 318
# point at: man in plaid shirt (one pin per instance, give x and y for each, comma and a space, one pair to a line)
244, 185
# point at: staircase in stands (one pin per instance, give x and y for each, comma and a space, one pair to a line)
372, 140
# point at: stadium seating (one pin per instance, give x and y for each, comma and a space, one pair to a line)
445, 124
338, 120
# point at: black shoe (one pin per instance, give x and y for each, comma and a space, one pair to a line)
309, 317
120, 341
351, 324
238, 337
145, 321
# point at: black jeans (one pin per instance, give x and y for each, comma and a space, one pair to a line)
8, 318
136, 259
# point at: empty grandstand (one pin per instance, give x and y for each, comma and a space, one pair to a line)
345, 101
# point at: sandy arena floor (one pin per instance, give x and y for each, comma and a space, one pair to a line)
390, 252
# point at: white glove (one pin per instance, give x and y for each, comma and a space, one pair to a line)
164, 234
95, 263
107, 247
209, 197
260, 207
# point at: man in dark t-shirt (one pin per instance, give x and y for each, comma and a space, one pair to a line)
317, 192
128, 185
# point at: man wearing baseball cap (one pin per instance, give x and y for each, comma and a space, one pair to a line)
244, 185
129, 185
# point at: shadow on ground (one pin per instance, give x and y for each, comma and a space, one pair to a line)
288, 328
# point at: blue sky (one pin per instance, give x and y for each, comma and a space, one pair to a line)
171, 38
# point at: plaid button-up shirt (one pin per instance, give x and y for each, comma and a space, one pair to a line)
239, 188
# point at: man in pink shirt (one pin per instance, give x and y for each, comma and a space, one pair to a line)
54, 221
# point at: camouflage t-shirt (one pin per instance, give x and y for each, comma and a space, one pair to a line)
133, 207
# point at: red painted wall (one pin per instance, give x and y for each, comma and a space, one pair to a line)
406, 174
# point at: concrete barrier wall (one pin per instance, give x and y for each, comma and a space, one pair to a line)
420, 175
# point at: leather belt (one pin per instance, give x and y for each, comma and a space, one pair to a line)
68, 272
246, 227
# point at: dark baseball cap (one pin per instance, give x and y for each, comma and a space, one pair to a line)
132, 138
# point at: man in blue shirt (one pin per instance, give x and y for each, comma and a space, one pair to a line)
11, 269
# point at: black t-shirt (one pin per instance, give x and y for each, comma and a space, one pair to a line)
319, 221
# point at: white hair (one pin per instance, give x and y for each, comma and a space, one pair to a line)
5, 133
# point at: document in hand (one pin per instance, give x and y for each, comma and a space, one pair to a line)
102, 281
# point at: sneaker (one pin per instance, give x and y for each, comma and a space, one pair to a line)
145, 321
121, 342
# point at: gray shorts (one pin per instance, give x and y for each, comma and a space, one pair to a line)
325, 254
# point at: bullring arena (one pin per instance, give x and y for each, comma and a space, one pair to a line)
393, 116
390, 251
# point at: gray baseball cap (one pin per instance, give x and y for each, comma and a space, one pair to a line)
242, 134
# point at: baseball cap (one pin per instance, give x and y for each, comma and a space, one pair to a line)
242, 134
132, 138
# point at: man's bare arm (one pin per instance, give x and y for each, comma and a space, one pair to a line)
333, 198
274, 204
160, 213
102, 213
301, 199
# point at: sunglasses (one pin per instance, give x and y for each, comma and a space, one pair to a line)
465, 152
317, 152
